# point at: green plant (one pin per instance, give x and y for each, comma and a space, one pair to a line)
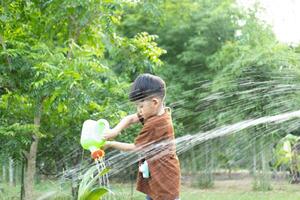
203, 180
88, 190
262, 182
287, 154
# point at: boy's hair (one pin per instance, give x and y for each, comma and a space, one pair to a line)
146, 85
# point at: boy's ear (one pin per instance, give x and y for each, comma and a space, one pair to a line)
155, 100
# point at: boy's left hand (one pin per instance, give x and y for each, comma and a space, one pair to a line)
124, 123
109, 134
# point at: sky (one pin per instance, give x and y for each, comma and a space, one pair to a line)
282, 15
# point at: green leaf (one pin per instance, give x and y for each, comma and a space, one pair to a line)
88, 181
104, 171
96, 193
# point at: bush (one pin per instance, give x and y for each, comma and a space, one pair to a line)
203, 180
262, 182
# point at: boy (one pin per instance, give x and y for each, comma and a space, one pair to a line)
148, 93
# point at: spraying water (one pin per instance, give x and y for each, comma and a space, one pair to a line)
187, 142
120, 161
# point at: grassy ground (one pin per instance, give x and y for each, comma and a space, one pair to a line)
242, 190
233, 190
222, 190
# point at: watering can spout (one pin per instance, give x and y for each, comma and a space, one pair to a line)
98, 154
92, 137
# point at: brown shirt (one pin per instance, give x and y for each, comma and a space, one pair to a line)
157, 144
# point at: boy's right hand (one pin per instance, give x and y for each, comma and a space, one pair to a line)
106, 145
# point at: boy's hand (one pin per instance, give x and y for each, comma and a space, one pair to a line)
107, 145
133, 118
109, 134
124, 123
119, 145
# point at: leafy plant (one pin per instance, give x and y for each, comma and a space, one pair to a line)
287, 154
262, 182
204, 180
88, 189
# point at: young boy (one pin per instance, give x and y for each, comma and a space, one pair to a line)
148, 93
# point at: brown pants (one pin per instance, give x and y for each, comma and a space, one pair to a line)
149, 198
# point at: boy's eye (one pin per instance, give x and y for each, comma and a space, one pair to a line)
139, 104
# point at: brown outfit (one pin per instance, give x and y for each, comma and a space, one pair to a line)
164, 181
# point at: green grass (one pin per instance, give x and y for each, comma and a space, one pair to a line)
228, 190
55, 189
222, 190
193, 194
242, 190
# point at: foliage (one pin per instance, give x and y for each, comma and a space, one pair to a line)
284, 150
286, 153
58, 68
223, 65
88, 190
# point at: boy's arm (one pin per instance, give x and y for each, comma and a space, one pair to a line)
124, 123
120, 146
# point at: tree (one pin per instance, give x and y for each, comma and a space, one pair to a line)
55, 70
223, 65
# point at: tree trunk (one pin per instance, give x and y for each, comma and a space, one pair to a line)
264, 182
31, 160
193, 161
229, 173
30, 170
11, 172
2, 42
263, 159
254, 159
4, 172
22, 178
75, 187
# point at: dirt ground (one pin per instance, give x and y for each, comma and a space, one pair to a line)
241, 180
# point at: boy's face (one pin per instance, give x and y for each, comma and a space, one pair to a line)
148, 107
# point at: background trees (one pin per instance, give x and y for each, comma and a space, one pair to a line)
56, 71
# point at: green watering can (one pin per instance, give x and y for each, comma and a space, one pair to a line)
92, 137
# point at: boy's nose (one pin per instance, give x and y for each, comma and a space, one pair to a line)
140, 112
